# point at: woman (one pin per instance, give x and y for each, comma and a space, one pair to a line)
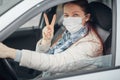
78, 42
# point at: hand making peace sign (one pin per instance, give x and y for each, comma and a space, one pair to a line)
48, 30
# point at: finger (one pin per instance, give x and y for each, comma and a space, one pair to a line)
46, 19
47, 36
53, 20
47, 29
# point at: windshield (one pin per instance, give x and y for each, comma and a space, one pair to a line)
5, 5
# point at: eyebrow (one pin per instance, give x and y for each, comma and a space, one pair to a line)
74, 12
65, 13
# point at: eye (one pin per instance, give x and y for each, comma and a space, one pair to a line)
65, 15
75, 15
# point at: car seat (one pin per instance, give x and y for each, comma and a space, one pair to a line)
101, 16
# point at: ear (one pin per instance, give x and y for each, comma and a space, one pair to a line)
87, 17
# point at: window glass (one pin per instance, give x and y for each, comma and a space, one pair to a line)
34, 22
5, 5
108, 2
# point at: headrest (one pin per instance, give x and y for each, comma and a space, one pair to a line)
102, 15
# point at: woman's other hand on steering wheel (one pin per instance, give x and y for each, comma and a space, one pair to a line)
6, 52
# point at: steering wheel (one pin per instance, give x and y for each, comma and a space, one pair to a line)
9, 68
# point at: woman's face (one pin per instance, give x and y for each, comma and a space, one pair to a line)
73, 10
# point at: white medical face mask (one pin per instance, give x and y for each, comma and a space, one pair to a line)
73, 24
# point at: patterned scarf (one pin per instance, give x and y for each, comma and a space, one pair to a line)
67, 40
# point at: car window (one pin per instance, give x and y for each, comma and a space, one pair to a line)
5, 5
108, 3
101, 62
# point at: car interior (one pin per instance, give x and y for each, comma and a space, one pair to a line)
26, 38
